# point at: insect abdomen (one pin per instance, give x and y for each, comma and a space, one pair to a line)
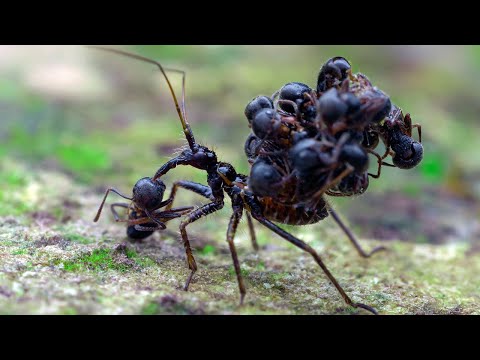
293, 214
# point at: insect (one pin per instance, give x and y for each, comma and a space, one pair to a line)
144, 214
281, 129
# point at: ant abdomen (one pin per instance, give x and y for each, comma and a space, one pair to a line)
408, 152
148, 194
371, 139
135, 234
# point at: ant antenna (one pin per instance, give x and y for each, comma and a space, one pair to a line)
105, 198
181, 114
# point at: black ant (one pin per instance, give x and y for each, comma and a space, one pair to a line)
144, 214
222, 178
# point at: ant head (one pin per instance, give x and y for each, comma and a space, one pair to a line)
257, 104
305, 155
227, 172
295, 92
200, 157
263, 178
354, 154
353, 184
265, 123
408, 152
331, 107
334, 71
382, 109
148, 194
370, 139
251, 146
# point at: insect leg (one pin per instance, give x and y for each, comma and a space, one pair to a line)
115, 213
197, 188
105, 198
253, 237
419, 129
232, 228
190, 218
351, 237
305, 247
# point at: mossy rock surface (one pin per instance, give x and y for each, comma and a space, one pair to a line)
55, 260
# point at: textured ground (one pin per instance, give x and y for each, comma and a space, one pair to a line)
55, 260
74, 121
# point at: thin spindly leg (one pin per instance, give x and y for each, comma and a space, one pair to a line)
299, 243
232, 228
115, 213
351, 237
253, 237
190, 218
105, 198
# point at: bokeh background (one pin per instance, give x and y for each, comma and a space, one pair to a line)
74, 121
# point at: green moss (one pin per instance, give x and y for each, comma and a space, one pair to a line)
69, 311
150, 309
19, 252
141, 261
78, 238
208, 249
98, 260
243, 271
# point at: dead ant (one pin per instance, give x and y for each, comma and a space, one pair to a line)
223, 179
144, 214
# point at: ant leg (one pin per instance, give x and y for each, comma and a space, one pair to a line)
333, 182
197, 188
232, 228
253, 237
419, 129
379, 163
305, 247
351, 237
190, 218
114, 212
105, 198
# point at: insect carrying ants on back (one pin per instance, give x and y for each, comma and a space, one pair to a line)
306, 144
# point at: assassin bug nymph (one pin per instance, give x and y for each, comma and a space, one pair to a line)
223, 179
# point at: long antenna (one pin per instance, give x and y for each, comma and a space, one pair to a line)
182, 115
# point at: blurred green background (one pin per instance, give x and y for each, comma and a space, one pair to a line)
74, 121
104, 120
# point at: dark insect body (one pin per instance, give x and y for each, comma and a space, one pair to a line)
144, 214
305, 145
